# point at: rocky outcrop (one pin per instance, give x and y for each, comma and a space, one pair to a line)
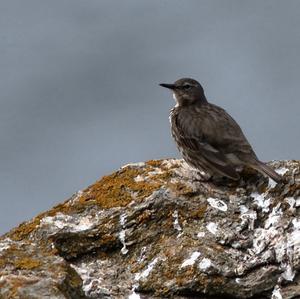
154, 230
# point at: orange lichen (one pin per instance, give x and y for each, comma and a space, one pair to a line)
144, 217
181, 188
154, 163
24, 229
119, 188
115, 190
218, 280
27, 263
107, 240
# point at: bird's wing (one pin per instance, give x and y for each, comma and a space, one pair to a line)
212, 128
211, 131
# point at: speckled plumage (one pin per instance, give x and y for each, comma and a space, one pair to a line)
208, 138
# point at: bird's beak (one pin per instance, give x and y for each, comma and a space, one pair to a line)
170, 86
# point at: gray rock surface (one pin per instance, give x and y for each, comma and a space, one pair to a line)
154, 230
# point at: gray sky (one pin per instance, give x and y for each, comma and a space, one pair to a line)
80, 95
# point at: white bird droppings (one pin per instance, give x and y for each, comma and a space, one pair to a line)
248, 217
138, 164
5, 244
274, 216
205, 264
139, 178
90, 283
217, 204
134, 295
291, 201
261, 201
122, 234
147, 271
61, 221
282, 170
201, 235
296, 223
191, 260
276, 293
176, 224
212, 227
271, 184
289, 273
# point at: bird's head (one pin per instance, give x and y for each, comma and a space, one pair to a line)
186, 91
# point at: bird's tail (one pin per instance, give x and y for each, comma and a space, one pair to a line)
267, 170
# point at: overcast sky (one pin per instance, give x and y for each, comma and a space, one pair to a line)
79, 86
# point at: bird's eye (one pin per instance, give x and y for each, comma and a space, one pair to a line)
186, 86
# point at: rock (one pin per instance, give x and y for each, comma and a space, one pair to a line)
154, 230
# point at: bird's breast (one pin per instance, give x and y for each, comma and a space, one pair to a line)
172, 115
174, 129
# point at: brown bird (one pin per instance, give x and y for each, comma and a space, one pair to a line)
208, 138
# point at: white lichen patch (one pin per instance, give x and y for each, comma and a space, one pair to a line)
134, 295
122, 234
5, 244
76, 196
248, 217
270, 238
274, 216
176, 224
243, 209
271, 183
295, 240
282, 170
142, 254
205, 264
92, 284
261, 201
154, 172
72, 223
137, 164
289, 273
139, 178
276, 294
150, 174
291, 201
171, 163
296, 224
288, 251
262, 238
212, 227
59, 221
201, 235
217, 204
147, 271
191, 260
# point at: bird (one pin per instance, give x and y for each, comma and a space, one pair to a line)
208, 138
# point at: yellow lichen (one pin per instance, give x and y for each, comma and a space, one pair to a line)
24, 229
119, 189
115, 190
27, 263
155, 163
